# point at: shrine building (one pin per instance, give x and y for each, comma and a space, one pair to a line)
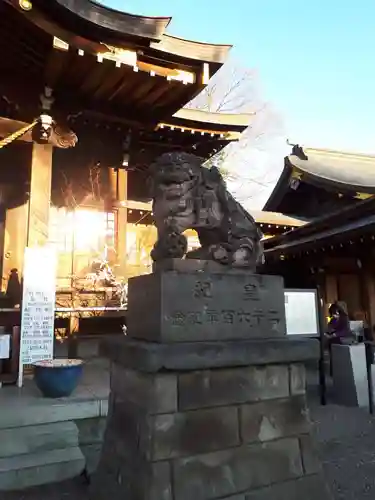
111, 89
333, 192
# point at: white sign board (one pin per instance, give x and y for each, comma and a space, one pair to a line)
301, 310
38, 306
193, 242
4, 346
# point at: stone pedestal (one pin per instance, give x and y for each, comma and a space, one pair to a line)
208, 419
179, 305
350, 375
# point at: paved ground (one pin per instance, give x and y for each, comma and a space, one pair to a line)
345, 439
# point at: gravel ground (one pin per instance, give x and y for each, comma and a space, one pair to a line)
345, 440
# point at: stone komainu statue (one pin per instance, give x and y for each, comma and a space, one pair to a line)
187, 195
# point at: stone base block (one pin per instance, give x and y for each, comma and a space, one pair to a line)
182, 356
227, 432
350, 375
172, 306
196, 266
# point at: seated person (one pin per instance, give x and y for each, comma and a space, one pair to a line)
338, 327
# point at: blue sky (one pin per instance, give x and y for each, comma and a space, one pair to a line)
315, 59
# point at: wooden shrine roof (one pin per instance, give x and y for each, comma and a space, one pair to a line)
200, 132
95, 16
99, 62
264, 219
195, 131
90, 20
276, 219
336, 227
212, 120
228, 126
338, 172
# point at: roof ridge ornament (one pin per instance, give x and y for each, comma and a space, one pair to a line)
297, 150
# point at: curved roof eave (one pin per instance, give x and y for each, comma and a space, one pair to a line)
276, 219
200, 51
115, 21
337, 170
279, 190
120, 25
337, 223
231, 121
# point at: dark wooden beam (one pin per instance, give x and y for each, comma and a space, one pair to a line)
95, 77
110, 84
55, 66
23, 93
119, 87
158, 93
74, 105
103, 117
185, 94
8, 127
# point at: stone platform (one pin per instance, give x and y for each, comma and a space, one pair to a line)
187, 431
211, 417
48, 440
194, 306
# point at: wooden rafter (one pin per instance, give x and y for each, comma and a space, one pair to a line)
8, 127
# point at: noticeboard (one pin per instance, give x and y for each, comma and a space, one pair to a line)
4, 346
38, 305
302, 312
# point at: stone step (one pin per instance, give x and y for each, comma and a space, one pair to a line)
28, 410
38, 438
24, 471
88, 346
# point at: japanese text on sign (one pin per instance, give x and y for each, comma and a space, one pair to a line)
38, 305
254, 318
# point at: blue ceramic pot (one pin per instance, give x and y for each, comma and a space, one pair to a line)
57, 378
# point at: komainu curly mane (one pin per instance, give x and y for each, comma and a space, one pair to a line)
187, 195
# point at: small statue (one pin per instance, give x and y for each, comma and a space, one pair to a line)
297, 150
63, 137
187, 195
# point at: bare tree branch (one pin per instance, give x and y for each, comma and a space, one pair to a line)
235, 89
232, 89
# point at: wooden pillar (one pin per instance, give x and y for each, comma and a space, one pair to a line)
119, 179
27, 224
331, 291
368, 293
40, 194
15, 238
